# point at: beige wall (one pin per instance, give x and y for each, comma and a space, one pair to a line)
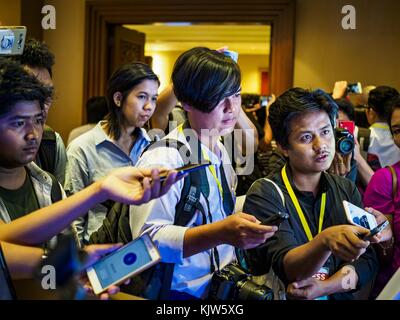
250, 66
10, 12
325, 52
67, 43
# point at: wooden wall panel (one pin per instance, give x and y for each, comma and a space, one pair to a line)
100, 15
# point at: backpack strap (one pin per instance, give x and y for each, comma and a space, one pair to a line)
46, 155
394, 180
195, 184
277, 189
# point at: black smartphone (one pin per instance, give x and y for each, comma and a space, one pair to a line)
374, 231
276, 219
185, 169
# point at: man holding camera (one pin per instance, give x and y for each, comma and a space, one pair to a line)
315, 253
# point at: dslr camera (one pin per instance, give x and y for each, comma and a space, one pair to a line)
344, 141
233, 283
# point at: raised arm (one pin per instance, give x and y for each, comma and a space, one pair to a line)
165, 103
129, 185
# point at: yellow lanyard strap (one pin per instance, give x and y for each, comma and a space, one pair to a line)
210, 167
300, 211
213, 173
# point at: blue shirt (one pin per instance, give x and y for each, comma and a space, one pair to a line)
92, 156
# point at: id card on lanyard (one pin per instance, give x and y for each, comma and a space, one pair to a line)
323, 273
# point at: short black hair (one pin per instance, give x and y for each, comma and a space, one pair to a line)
346, 106
202, 77
294, 102
394, 105
16, 85
379, 99
123, 80
37, 54
96, 109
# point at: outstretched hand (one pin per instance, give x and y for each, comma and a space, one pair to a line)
131, 185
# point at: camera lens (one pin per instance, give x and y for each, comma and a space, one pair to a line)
345, 146
248, 290
344, 141
130, 258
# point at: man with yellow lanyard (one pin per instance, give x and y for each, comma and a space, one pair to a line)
207, 83
315, 253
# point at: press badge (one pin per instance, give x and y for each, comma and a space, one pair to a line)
322, 275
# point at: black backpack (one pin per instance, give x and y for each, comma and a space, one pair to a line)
155, 283
46, 156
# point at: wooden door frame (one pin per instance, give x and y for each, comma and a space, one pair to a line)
100, 15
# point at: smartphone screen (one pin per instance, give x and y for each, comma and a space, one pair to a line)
358, 216
348, 125
123, 262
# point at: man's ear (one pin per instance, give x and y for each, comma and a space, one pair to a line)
371, 115
186, 107
117, 97
283, 150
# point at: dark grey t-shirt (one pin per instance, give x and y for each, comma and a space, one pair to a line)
21, 201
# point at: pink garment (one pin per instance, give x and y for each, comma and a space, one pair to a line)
379, 196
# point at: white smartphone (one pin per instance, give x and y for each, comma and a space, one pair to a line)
12, 40
131, 259
358, 216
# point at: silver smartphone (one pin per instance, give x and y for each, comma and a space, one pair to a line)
12, 40
131, 259
359, 216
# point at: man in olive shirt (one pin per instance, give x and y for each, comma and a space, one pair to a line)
24, 187
315, 253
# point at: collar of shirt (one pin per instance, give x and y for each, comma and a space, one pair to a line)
100, 136
323, 183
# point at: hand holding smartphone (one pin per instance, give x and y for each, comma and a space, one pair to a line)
131, 259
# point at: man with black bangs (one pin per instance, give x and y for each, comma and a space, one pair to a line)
207, 84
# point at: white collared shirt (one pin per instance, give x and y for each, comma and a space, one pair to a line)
382, 144
191, 275
92, 156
